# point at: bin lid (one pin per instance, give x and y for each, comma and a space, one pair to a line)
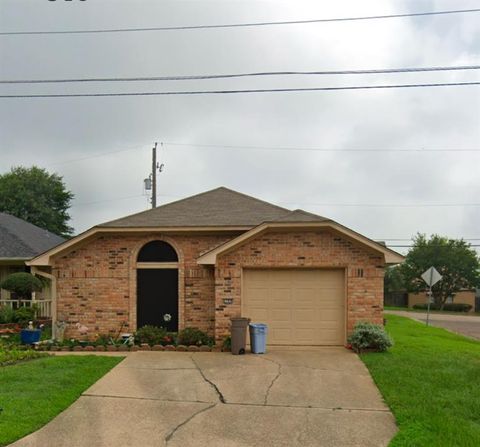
258, 325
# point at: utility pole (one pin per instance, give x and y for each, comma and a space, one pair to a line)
154, 176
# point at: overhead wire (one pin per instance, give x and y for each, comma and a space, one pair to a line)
223, 92
243, 75
242, 25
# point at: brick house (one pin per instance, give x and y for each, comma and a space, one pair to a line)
199, 261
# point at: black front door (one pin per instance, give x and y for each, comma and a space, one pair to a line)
157, 296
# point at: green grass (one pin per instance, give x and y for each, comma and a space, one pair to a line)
8, 356
431, 381
411, 309
34, 392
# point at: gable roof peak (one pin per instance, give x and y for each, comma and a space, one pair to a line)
219, 207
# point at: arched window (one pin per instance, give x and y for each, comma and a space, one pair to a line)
157, 251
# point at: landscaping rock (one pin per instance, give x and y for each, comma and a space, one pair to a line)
182, 348
158, 348
144, 347
205, 348
77, 348
111, 348
122, 348
169, 348
134, 348
100, 348
193, 348
65, 348
89, 348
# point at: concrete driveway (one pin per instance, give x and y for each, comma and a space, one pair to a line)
317, 397
468, 325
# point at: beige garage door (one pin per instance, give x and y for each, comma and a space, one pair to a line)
301, 307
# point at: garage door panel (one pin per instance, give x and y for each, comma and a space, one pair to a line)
303, 307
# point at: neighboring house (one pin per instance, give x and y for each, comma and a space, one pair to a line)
464, 296
220, 254
20, 241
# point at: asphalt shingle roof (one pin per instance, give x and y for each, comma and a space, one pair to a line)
21, 239
218, 207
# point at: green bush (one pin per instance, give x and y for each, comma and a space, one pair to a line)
368, 336
227, 343
450, 307
24, 314
22, 283
7, 315
193, 336
152, 335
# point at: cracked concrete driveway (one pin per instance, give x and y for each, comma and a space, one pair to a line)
322, 396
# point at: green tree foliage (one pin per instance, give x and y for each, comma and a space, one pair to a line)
22, 283
394, 280
454, 259
34, 195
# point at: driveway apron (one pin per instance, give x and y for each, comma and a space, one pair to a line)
315, 397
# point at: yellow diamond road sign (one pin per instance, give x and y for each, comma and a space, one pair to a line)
431, 276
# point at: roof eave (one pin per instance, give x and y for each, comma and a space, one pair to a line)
391, 257
44, 259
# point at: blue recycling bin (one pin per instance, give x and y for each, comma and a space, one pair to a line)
258, 338
30, 336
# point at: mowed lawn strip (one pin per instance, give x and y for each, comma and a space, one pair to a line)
34, 392
431, 381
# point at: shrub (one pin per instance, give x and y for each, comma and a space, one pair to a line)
369, 336
24, 314
7, 315
193, 336
22, 283
227, 343
152, 335
451, 307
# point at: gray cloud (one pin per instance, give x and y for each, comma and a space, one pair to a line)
49, 131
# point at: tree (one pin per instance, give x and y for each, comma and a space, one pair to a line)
454, 259
394, 280
34, 195
22, 284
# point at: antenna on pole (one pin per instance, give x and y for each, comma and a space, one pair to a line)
154, 176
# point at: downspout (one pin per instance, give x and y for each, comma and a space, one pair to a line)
53, 281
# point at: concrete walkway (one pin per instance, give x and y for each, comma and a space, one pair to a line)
315, 397
468, 325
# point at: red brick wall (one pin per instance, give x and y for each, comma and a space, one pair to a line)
302, 249
96, 283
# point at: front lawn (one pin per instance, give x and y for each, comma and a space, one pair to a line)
423, 311
430, 379
34, 392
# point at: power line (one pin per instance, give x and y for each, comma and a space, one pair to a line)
224, 92
243, 75
240, 25
102, 154
412, 246
410, 240
313, 149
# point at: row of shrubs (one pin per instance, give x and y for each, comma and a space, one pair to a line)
451, 307
21, 315
153, 335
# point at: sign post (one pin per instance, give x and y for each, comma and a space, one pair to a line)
431, 277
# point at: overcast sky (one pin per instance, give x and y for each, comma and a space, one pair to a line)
69, 135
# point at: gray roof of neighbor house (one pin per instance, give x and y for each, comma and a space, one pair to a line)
20, 239
218, 207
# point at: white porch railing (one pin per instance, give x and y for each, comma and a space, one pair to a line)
44, 307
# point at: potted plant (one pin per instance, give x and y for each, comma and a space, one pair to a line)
23, 284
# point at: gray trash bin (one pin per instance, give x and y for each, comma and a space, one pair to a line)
239, 335
258, 338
